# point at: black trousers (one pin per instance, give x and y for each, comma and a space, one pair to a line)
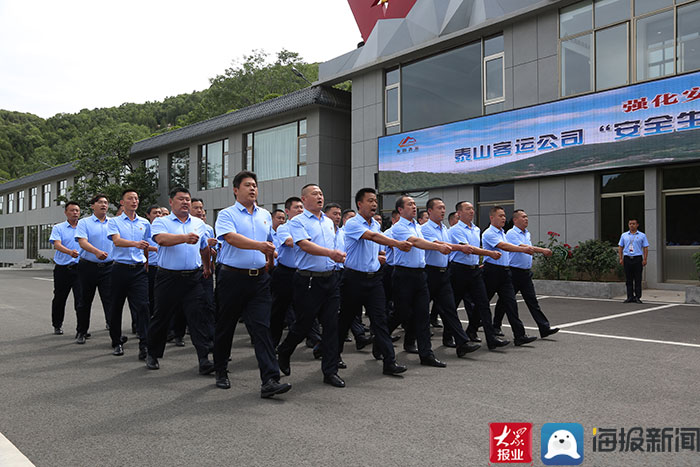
360, 289
65, 279
522, 282
242, 295
498, 281
282, 288
412, 305
152, 270
443, 298
129, 282
316, 297
175, 289
93, 276
209, 310
633, 275
468, 286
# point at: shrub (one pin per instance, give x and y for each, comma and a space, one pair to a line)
558, 266
696, 258
594, 258
41, 259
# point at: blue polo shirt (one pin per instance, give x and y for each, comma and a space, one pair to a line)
402, 231
65, 233
435, 232
340, 244
95, 231
387, 249
633, 244
492, 237
255, 226
306, 226
519, 237
136, 230
183, 256
152, 255
463, 233
285, 255
363, 255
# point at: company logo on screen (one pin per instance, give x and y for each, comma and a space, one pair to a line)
408, 144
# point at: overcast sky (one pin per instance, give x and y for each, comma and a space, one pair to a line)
67, 55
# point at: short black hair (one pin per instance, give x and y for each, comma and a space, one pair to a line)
276, 211
290, 201
197, 200
243, 174
517, 211
176, 190
308, 185
395, 212
495, 209
360, 195
421, 212
400, 202
459, 204
129, 190
431, 203
330, 206
151, 208
71, 203
346, 212
98, 197
633, 218
450, 215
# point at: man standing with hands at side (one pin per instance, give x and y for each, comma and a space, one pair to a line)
633, 250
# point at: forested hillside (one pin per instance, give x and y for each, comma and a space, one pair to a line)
29, 143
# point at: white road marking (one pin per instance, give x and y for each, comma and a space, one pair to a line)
11, 456
614, 300
636, 339
619, 315
42, 279
519, 301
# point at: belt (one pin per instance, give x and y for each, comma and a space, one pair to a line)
282, 266
186, 272
520, 269
99, 265
248, 272
404, 268
307, 273
67, 266
507, 268
465, 266
129, 265
435, 268
368, 275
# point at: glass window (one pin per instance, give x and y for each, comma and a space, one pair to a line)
211, 165
301, 163
10, 203
392, 97
20, 201
689, 38
494, 79
622, 182
248, 153
501, 194
615, 211
19, 238
32, 241
9, 238
62, 190
610, 48
681, 177
611, 11
493, 45
497, 192
575, 18
682, 228
275, 153
33, 197
645, 6
392, 77
443, 88
655, 46
179, 165
576, 67
44, 235
46, 195
2, 205
392, 105
2, 239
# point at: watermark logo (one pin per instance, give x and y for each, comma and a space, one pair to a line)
510, 443
562, 444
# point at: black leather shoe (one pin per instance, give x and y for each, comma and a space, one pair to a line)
58, 331
206, 367
283, 362
222, 380
318, 353
123, 339
273, 387
410, 348
474, 337
362, 341
143, 353
435, 324
449, 342
432, 361
549, 332
179, 342
629, 300
88, 335
394, 369
334, 380
467, 347
637, 300
524, 339
395, 337
498, 342
347, 339
342, 365
118, 351
498, 332
152, 363
80, 338
376, 353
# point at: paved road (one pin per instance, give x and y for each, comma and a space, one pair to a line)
69, 405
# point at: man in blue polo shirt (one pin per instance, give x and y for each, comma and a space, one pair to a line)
95, 266
316, 284
129, 233
182, 250
521, 274
362, 283
497, 271
411, 296
243, 283
65, 273
633, 251
152, 213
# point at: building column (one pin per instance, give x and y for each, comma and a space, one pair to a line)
653, 228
